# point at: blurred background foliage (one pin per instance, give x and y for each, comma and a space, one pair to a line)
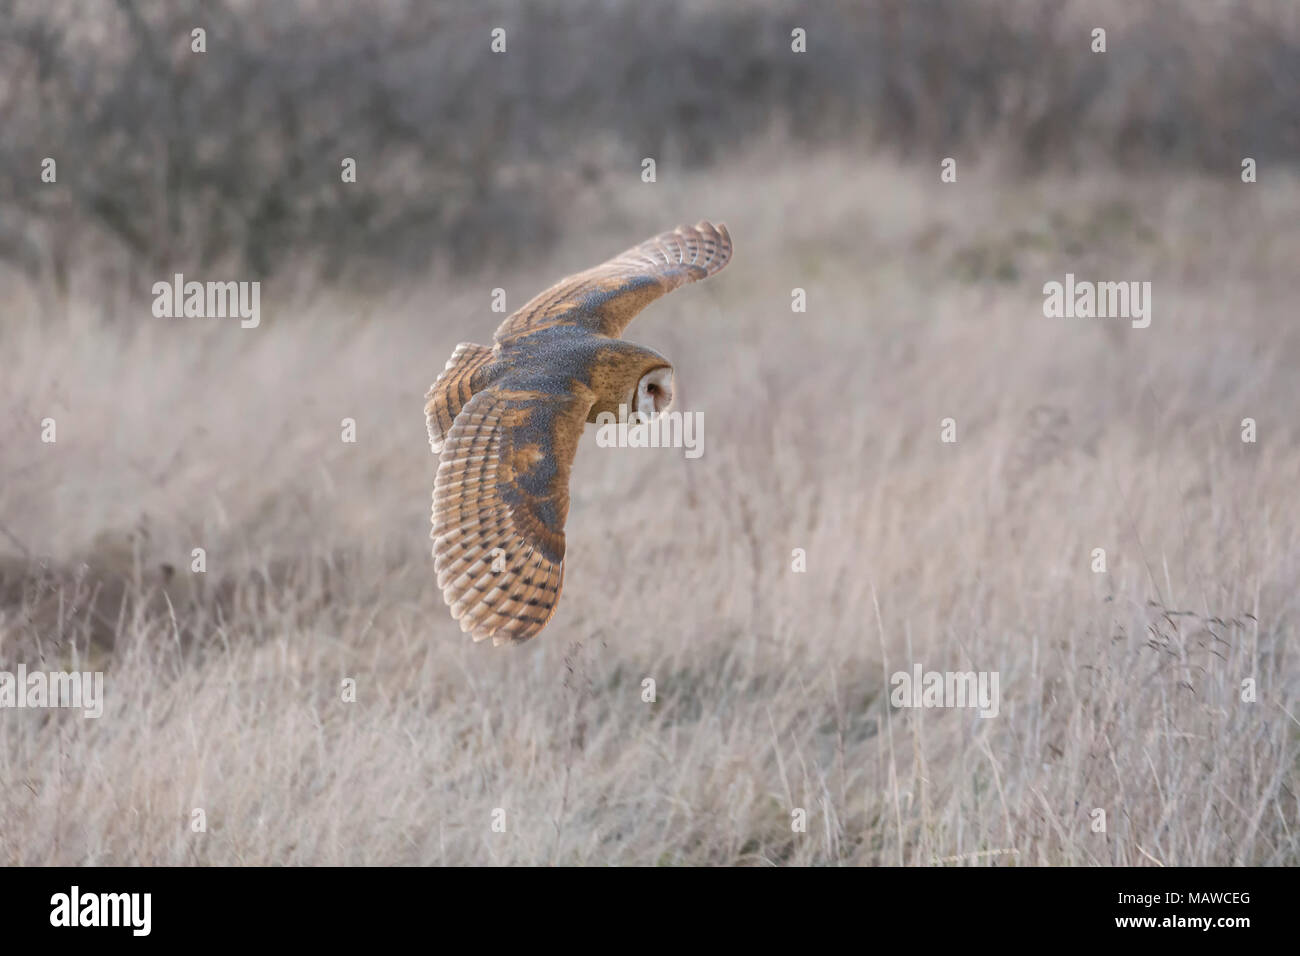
231, 158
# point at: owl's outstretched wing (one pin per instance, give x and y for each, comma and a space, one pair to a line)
605, 299
499, 505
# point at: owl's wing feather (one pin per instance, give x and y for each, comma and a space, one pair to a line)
499, 505
606, 298
452, 389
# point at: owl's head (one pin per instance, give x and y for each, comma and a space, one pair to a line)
654, 392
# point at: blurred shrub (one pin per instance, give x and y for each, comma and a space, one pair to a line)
233, 156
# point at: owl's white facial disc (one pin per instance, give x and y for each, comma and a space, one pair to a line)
654, 393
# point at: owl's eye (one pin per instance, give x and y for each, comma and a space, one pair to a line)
652, 388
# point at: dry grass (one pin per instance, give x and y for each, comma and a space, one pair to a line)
1119, 691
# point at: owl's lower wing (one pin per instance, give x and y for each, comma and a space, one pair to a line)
499, 505
605, 299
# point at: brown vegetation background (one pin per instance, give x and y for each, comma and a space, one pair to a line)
1120, 691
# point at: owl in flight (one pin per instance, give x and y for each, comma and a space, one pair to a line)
505, 421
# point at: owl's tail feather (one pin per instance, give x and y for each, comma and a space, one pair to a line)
454, 387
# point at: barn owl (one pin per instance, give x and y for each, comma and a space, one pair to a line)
505, 422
